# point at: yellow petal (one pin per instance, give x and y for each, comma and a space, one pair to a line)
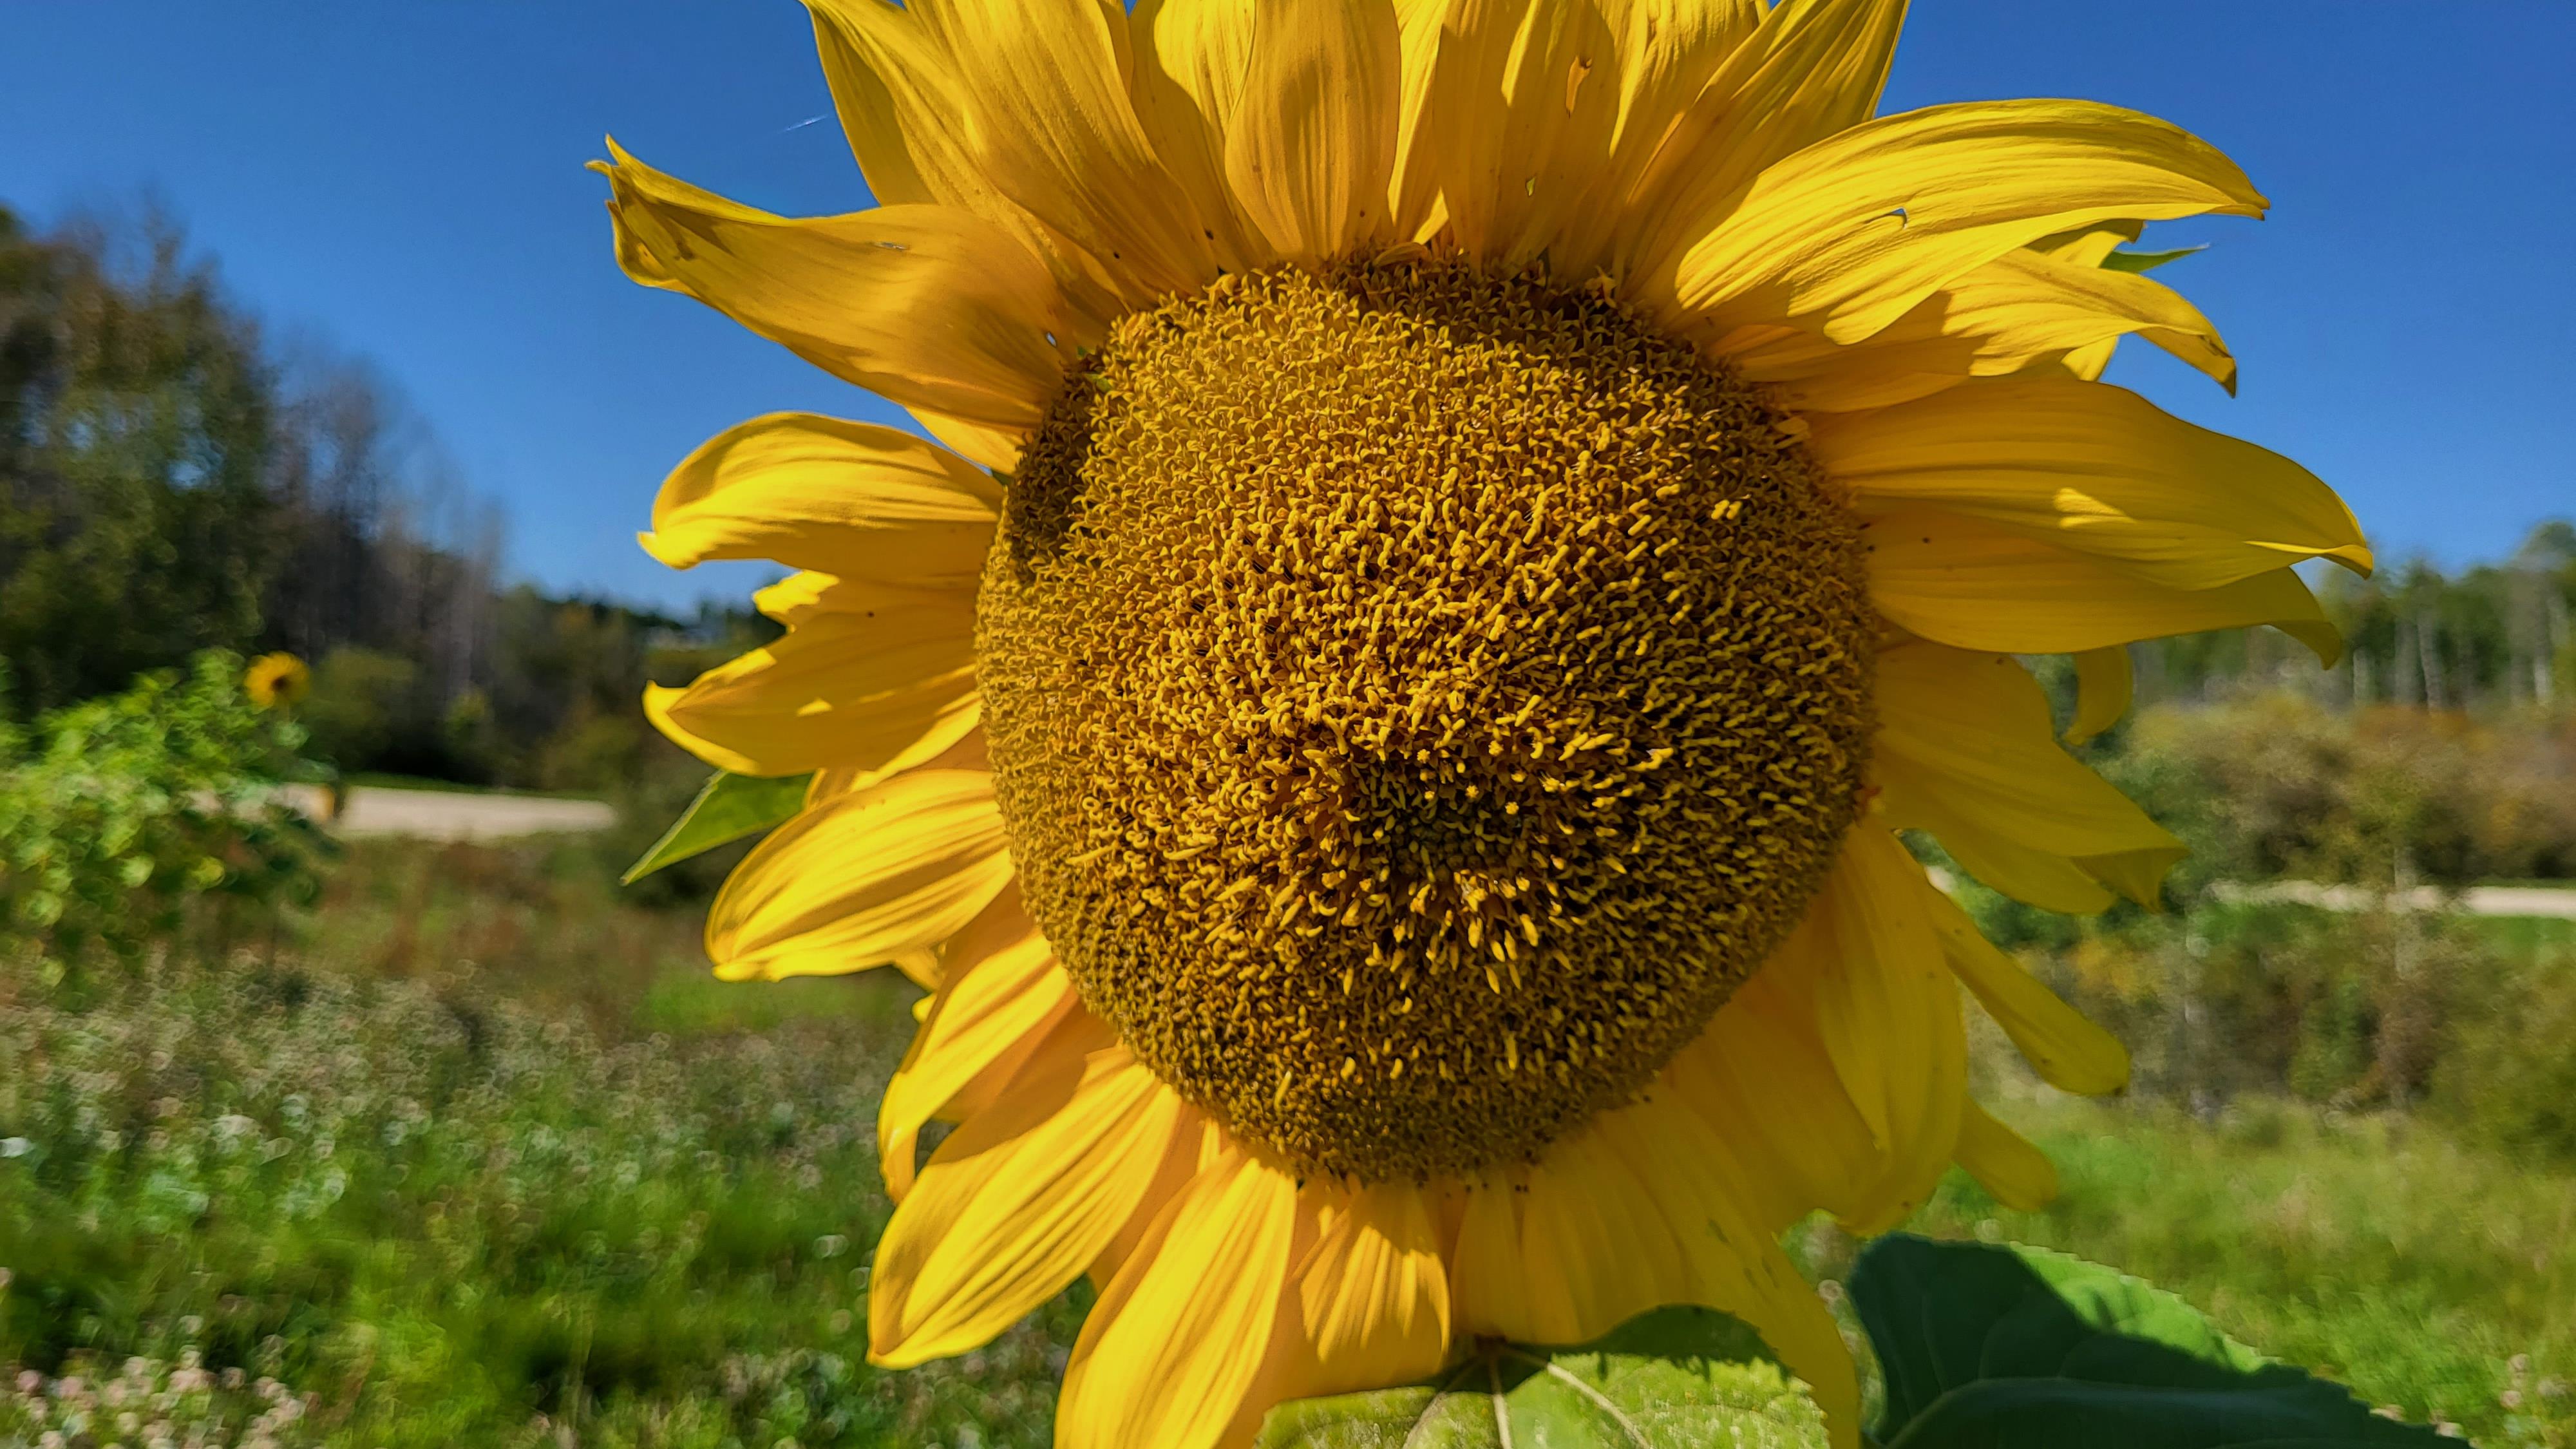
2089, 246
876, 679
1174, 1342
2068, 1051
924, 305
1563, 1251
863, 877
1760, 1077
1191, 60
2093, 469
1373, 1294
1812, 69
844, 498
1051, 125
1015, 1204
2017, 312
796, 598
1512, 131
1887, 1010
989, 447
1661, 54
1979, 585
1730, 1259
1003, 992
1967, 737
2016, 1173
2104, 682
909, 114
1850, 233
1311, 142
1413, 192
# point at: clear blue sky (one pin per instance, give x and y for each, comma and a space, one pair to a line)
406, 179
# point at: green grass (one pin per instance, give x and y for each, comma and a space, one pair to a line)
479, 1154
452, 1221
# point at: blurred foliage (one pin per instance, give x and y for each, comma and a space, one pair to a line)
2355, 989
148, 817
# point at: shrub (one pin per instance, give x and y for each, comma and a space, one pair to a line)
128, 819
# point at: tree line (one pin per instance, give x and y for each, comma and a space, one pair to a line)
174, 478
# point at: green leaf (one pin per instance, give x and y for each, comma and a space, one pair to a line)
729, 808
2147, 261
2021, 1348
1675, 1378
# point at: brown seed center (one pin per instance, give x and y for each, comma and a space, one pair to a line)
1417, 699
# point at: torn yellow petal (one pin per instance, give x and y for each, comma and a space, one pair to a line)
925, 305
1979, 585
1968, 738
1850, 233
1003, 992
2019, 1175
846, 498
863, 877
1170, 1349
2093, 469
1014, 1205
2104, 681
2068, 1051
876, 679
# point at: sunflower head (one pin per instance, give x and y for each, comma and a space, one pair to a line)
277, 681
1461, 536
1418, 698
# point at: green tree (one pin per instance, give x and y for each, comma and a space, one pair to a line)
136, 524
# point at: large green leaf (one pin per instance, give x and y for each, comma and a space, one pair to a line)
1676, 1378
729, 808
2020, 1348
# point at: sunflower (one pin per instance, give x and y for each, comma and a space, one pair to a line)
1462, 537
276, 681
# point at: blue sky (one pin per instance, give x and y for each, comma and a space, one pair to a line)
406, 180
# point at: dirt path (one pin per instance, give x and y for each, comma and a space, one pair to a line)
2554, 902
455, 815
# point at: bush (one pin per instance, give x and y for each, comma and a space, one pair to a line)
129, 819
360, 706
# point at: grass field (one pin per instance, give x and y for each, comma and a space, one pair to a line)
481, 1157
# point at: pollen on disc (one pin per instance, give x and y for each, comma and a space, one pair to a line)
1417, 700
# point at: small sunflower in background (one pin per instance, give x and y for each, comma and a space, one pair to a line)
1465, 532
277, 681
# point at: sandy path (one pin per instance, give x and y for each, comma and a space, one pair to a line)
449, 815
